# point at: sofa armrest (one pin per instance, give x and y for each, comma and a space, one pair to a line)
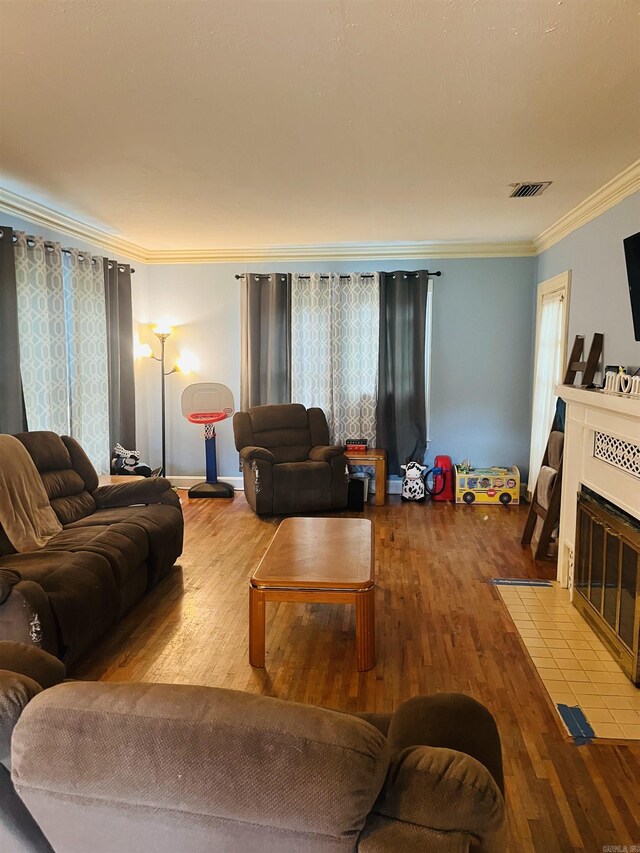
45, 669
251, 452
452, 721
325, 453
445, 791
26, 615
151, 490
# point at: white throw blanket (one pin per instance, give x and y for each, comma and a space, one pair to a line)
25, 511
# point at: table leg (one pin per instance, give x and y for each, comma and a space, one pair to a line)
256, 626
381, 482
365, 629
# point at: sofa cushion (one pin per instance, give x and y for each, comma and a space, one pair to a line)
283, 429
81, 590
163, 527
46, 449
81, 463
66, 489
300, 486
291, 476
281, 417
123, 544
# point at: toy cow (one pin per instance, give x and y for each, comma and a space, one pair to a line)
413, 488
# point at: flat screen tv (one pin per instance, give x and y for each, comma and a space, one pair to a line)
632, 254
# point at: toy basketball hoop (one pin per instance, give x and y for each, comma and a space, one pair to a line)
206, 404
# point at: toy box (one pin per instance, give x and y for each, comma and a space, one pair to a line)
487, 485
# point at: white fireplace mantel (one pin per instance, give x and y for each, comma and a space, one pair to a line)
601, 451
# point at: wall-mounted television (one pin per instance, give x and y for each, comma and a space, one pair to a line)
632, 255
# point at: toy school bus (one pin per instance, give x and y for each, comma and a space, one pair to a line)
488, 485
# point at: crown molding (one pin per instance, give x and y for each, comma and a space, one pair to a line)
613, 192
33, 211
623, 185
344, 252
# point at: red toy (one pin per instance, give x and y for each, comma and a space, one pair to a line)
443, 481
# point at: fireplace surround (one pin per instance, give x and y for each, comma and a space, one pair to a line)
601, 473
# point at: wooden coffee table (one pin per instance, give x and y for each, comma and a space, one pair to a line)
317, 560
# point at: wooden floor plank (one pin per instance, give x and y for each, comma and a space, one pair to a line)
440, 627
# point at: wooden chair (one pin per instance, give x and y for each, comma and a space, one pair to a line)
553, 453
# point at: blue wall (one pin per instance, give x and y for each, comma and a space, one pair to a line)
482, 339
482, 342
599, 288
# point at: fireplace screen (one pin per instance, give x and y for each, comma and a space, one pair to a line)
607, 578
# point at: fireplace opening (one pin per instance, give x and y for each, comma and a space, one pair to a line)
607, 577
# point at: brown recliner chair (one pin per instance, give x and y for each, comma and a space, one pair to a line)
287, 461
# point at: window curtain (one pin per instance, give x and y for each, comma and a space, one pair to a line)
548, 374
265, 363
401, 411
42, 331
12, 414
122, 406
334, 350
63, 343
87, 354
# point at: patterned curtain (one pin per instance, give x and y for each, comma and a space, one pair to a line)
63, 344
334, 350
41, 328
86, 327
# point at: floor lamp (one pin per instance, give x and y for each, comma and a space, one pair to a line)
162, 333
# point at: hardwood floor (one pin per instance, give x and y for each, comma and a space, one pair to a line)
440, 627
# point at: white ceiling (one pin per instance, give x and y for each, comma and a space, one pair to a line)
184, 124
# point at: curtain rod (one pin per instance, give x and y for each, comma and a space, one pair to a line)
342, 275
48, 244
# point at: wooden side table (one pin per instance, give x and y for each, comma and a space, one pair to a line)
376, 456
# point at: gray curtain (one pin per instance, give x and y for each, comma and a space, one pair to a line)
12, 411
122, 409
400, 414
265, 367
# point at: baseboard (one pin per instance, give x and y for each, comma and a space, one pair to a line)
394, 487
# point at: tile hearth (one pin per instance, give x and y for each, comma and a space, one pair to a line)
574, 665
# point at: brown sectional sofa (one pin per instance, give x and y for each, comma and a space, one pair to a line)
134, 768
117, 541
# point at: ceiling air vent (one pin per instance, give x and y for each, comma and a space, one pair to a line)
526, 189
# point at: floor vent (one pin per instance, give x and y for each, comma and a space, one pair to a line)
527, 189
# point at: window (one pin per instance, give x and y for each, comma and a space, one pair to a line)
551, 346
